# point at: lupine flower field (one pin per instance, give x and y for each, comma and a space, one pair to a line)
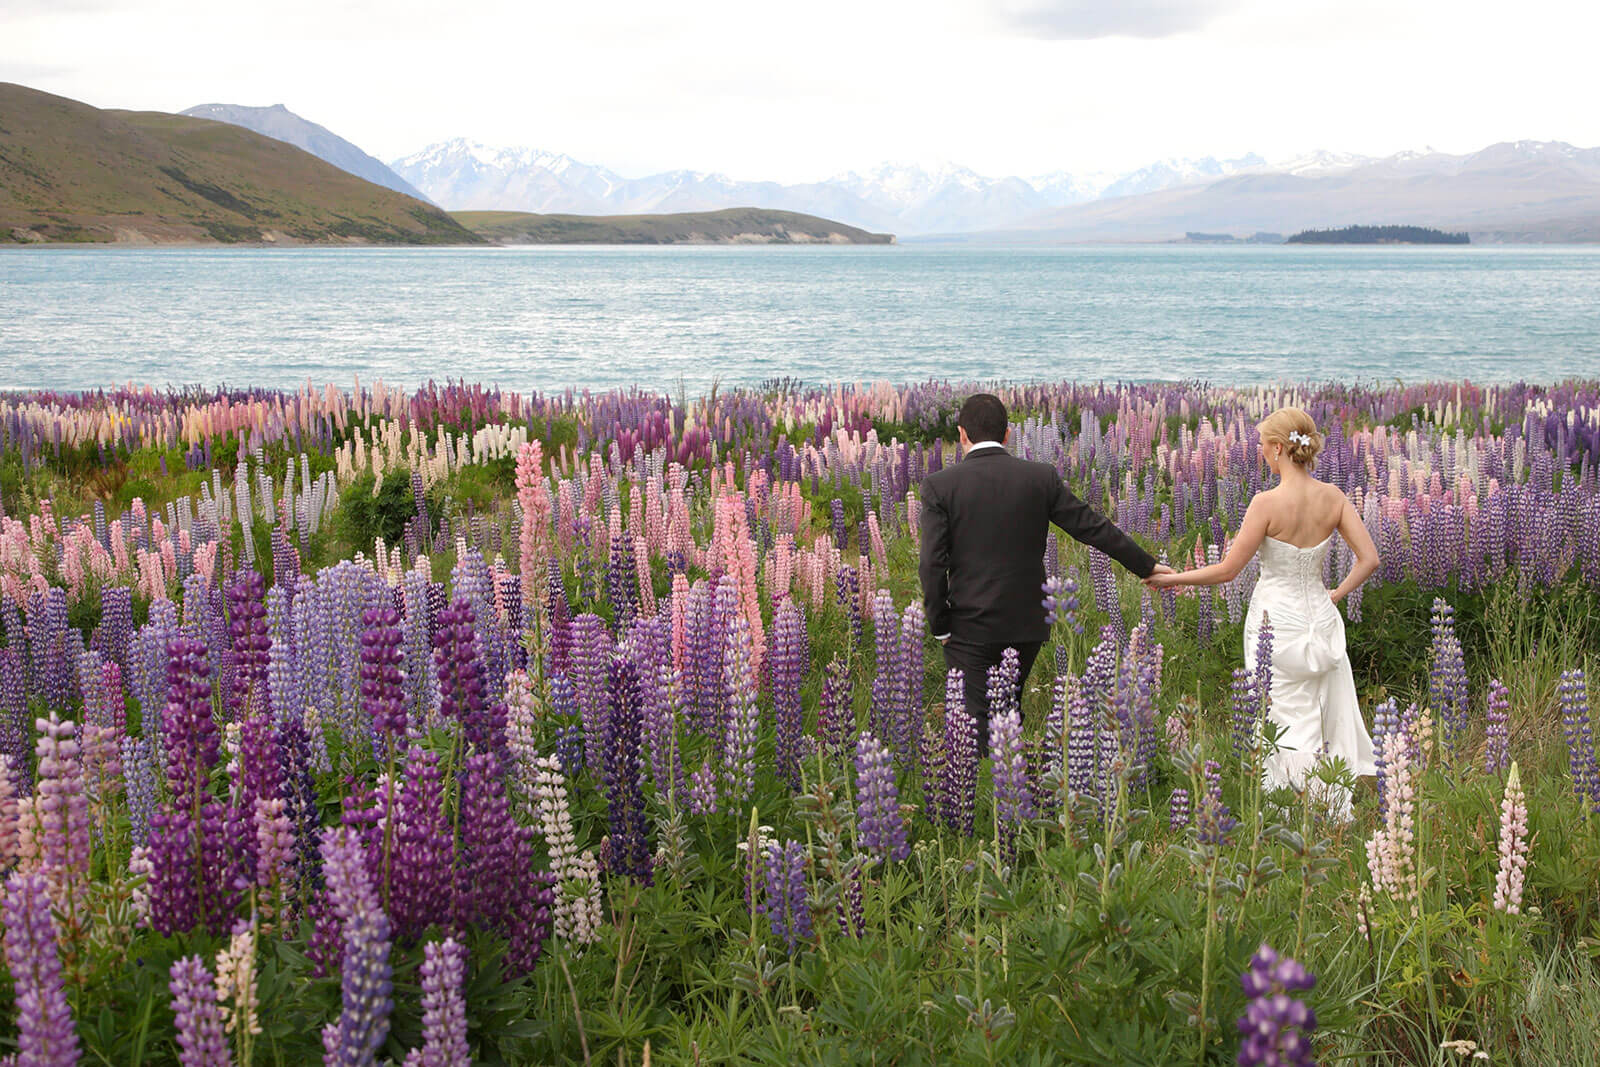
454, 725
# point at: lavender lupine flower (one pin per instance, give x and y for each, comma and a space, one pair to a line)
116, 623
197, 1012
46, 1037
382, 695
958, 784
591, 656
1014, 803
881, 827
1178, 809
908, 684
1385, 721
63, 811
419, 882
1004, 693
624, 795
1263, 669
570, 741
1244, 705
247, 626
188, 730
1276, 1028
739, 736
14, 719
366, 983
139, 773
444, 1011
1497, 746
1061, 602
703, 790
786, 904
835, 713
841, 532
847, 589
1580, 737
1513, 847
788, 667
1447, 674
1105, 593
886, 676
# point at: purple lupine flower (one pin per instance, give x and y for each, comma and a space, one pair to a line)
1106, 599
1178, 809
559, 613
958, 784
62, 807
382, 697
366, 982
1276, 1028
1244, 705
1263, 671
422, 851
188, 730
461, 687
788, 668
841, 532
1580, 737
835, 712
852, 918
1213, 821
46, 1037
444, 1011
139, 774
886, 676
785, 903
197, 1013
15, 724
487, 874
420, 681
882, 829
591, 657
258, 776
847, 590
247, 626
1014, 803
624, 796
1061, 602
1497, 746
533, 912
1385, 722
300, 791
570, 741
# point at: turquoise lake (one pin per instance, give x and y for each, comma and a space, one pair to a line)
547, 318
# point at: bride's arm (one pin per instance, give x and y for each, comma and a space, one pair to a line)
1355, 534
1245, 544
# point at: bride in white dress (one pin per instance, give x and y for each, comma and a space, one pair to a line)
1291, 525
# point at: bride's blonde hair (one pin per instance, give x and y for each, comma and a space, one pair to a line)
1296, 432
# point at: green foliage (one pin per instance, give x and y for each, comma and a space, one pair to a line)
368, 511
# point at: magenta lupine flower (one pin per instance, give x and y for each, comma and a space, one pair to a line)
46, 1037
444, 1011
365, 975
958, 782
423, 852
624, 795
786, 903
382, 695
1513, 847
881, 827
1014, 803
1497, 745
1276, 1028
788, 668
198, 1015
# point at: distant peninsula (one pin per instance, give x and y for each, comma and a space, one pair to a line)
730, 226
1379, 235
74, 173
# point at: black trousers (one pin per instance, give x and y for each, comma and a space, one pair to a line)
973, 659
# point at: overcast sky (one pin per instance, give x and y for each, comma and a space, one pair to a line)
798, 91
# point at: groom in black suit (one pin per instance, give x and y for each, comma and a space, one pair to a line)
984, 522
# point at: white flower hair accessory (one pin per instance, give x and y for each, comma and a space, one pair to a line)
1296, 437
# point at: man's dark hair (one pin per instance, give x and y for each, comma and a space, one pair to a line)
983, 416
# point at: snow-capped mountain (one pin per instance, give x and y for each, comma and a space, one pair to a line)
903, 198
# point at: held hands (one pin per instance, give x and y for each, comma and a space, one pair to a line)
1163, 577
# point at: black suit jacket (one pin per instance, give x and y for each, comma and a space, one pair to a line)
984, 522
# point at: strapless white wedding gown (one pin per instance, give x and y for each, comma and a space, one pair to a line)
1313, 691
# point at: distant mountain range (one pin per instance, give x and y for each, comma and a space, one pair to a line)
281, 124
901, 198
734, 225
1514, 191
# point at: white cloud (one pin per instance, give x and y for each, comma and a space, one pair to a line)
1089, 19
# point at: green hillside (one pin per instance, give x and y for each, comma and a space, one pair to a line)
71, 172
739, 225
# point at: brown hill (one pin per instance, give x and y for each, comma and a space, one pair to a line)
72, 172
739, 225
